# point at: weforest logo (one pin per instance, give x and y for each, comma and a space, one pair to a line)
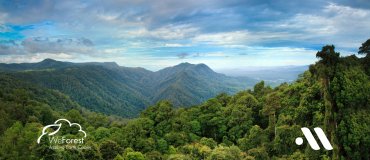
62, 142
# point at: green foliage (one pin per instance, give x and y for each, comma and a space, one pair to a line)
109, 149
154, 155
328, 55
225, 153
365, 48
118, 157
258, 153
259, 124
208, 142
123, 91
256, 137
162, 145
134, 156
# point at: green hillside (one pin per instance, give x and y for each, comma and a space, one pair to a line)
93, 87
124, 91
187, 84
253, 124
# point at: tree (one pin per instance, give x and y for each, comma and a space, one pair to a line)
154, 155
9, 146
162, 145
74, 116
22, 96
196, 150
239, 120
110, 149
134, 156
258, 153
178, 157
225, 153
160, 114
118, 157
258, 89
270, 109
256, 137
328, 55
101, 133
93, 153
327, 71
210, 118
284, 138
136, 133
195, 127
365, 48
130, 154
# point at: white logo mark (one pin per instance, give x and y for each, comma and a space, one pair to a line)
311, 140
59, 125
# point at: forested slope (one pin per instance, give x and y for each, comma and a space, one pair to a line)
124, 91
95, 87
253, 124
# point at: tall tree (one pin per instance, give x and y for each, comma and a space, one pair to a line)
365, 48
329, 60
271, 107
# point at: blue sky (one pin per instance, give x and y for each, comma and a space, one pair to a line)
156, 34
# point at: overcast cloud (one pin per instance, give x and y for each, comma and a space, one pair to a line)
156, 34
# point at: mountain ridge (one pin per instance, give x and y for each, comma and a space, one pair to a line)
125, 91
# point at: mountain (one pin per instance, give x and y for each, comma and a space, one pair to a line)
258, 124
188, 84
94, 87
45, 64
125, 91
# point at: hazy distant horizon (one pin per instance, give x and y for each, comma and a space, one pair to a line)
219, 70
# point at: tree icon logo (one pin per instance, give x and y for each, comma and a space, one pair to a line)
58, 124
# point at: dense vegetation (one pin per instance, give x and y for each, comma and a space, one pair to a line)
114, 90
254, 124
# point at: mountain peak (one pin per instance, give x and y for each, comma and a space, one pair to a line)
189, 66
184, 64
203, 69
202, 66
111, 64
48, 60
50, 63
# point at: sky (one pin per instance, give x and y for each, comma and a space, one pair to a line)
159, 33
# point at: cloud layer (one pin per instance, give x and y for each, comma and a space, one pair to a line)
155, 34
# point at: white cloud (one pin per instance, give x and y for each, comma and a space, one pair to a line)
4, 28
341, 25
175, 45
225, 38
49, 45
215, 54
35, 57
2, 17
141, 32
346, 11
57, 45
240, 39
336, 19
169, 32
114, 50
310, 25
